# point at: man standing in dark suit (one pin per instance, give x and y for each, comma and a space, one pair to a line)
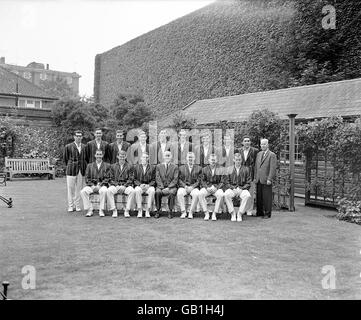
144, 181
74, 159
249, 155
97, 144
189, 179
158, 148
97, 176
227, 152
115, 147
167, 180
265, 172
121, 181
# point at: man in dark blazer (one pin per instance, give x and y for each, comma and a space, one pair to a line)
206, 149
184, 146
144, 181
158, 148
121, 181
137, 149
189, 179
97, 144
211, 184
237, 183
227, 152
249, 155
97, 177
74, 159
116, 146
265, 172
167, 180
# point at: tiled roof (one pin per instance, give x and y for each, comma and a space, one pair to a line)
313, 101
8, 82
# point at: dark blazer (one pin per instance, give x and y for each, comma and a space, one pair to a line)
226, 161
203, 156
265, 168
207, 180
186, 178
181, 155
93, 176
242, 180
156, 153
74, 160
140, 177
123, 177
250, 162
92, 147
113, 150
135, 153
166, 179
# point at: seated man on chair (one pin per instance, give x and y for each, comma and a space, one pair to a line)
144, 181
211, 183
121, 182
237, 183
97, 176
188, 182
167, 180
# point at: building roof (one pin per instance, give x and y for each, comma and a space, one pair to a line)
341, 98
9, 81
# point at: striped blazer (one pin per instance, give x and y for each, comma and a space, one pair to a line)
92, 147
121, 176
144, 178
74, 160
242, 180
207, 180
93, 175
187, 178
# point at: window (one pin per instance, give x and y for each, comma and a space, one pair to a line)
30, 104
27, 75
69, 80
43, 76
38, 104
285, 154
22, 103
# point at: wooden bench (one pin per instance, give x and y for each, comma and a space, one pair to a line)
29, 166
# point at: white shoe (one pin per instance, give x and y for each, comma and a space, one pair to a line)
239, 216
101, 213
140, 213
214, 217
249, 213
206, 216
233, 218
190, 215
89, 213
70, 209
184, 215
147, 214
78, 209
126, 214
115, 213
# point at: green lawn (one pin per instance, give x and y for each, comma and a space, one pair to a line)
106, 258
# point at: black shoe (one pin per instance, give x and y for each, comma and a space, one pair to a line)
156, 215
170, 215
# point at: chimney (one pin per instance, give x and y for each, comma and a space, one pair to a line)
47, 66
2, 60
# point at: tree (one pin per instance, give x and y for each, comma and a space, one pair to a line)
181, 121
57, 88
130, 111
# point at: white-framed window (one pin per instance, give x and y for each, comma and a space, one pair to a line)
27, 75
43, 76
69, 80
22, 103
30, 103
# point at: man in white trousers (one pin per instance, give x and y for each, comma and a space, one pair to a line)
188, 181
211, 183
237, 183
74, 158
97, 178
121, 181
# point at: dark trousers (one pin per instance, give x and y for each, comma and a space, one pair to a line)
171, 198
264, 199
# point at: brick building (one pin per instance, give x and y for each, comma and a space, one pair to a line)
37, 72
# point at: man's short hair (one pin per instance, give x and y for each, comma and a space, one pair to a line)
145, 154
227, 135
212, 155
122, 153
99, 150
191, 153
237, 155
246, 136
119, 131
264, 139
97, 129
